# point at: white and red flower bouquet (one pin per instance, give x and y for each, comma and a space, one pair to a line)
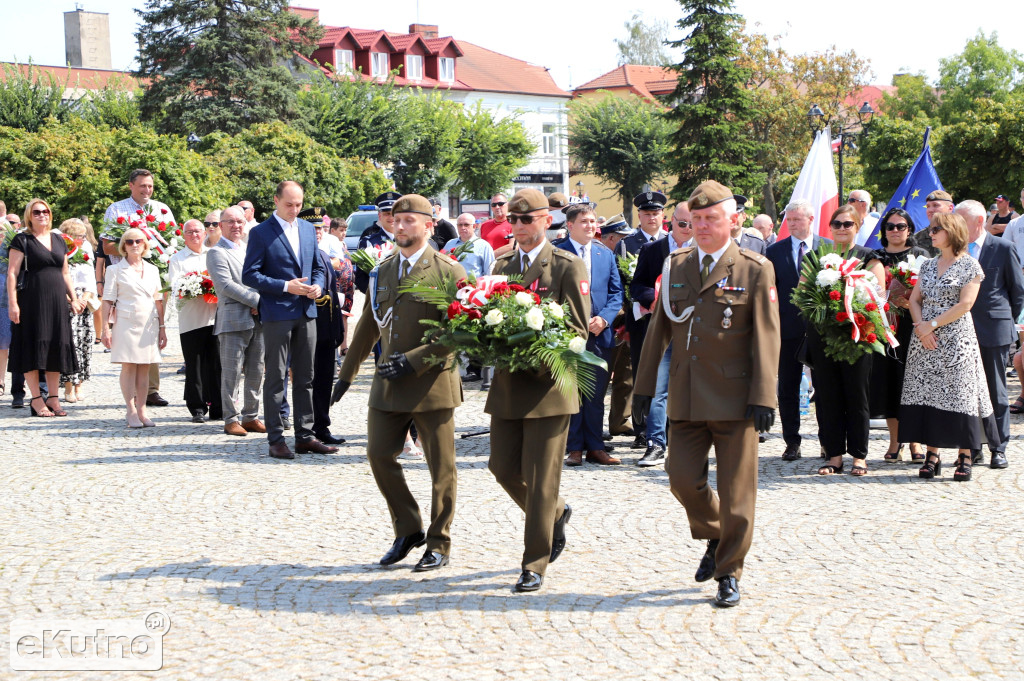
192, 285
371, 256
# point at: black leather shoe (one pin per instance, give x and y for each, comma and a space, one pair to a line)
198, 416
652, 457
639, 442
402, 546
977, 457
529, 581
998, 460
558, 536
329, 439
792, 453
18, 403
431, 560
760, 438
728, 592
706, 569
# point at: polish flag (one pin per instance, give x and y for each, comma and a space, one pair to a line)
817, 184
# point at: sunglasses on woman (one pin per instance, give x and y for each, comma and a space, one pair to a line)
934, 230
132, 242
525, 219
846, 224
40, 213
895, 227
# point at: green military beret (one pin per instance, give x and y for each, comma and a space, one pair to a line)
708, 193
413, 203
557, 200
527, 200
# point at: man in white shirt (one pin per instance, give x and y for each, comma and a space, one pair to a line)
861, 202
195, 328
250, 216
479, 261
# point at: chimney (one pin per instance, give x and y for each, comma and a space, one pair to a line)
87, 39
425, 30
306, 13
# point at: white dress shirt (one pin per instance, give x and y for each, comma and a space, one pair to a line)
583, 250
716, 256
796, 248
195, 313
532, 255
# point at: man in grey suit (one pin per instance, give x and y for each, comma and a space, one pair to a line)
237, 327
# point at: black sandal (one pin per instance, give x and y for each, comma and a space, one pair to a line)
859, 471
964, 467
931, 468
829, 469
917, 457
1016, 408
48, 415
58, 411
893, 457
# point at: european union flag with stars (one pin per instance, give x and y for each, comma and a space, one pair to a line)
921, 181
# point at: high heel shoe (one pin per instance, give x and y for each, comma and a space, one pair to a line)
57, 411
964, 467
44, 412
932, 467
893, 457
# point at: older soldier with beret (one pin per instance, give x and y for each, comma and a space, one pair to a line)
719, 309
408, 388
529, 415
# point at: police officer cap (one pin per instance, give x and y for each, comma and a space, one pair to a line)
650, 201
412, 203
557, 200
386, 200
527, 200
939, 195
616, 224
708, 193
313, 215
741, 202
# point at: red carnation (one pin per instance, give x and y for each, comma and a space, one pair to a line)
455, 309
474, 314
842, 317
871, 338
516, 288
178, 232
460, 283
871, 307
536, 298
150, 218
139, 212
135, 223
162, 226
859, 319
453, 257
834, 295
121, 220
85, 256
500, 289
163, 211
885, 307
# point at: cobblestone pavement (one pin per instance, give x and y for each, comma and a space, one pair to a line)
267, 569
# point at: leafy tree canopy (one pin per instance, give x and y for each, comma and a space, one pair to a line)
644, 43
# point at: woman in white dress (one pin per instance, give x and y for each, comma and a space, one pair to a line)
133, 321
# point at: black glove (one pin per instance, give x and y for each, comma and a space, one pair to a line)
340, 388
398, 366
641, 408
764, 417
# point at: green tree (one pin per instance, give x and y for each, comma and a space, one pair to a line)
982, 154
914, 97
256, 159
712, 105
30, 97
983, 71
644, 43
115, 105
490, 152
221, 64
624, 141
430, 152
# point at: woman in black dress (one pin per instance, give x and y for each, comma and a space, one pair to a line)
887, 370
39, 311
841, 388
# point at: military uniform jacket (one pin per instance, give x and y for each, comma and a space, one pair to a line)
431, 386
558, 276
721, 362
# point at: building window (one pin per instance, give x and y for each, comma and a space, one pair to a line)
414, 67
548, 139
344, 61
447, 69
379, 65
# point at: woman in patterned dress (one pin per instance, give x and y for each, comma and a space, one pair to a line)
945, 394
83, 278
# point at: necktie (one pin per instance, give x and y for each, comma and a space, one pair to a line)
800, 257
972, 248
405, 269
705, 271
585, 254
526, 262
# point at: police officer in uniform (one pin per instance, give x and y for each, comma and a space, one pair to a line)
381, 231
328, 336
408, 388
719, 308
529, 415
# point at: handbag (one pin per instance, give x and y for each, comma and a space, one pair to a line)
112, 316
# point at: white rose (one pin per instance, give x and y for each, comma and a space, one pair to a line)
556, 310
534, 319
164, 258
831, 261
826, 278
524, 298
494, 317
153, 243
577, 344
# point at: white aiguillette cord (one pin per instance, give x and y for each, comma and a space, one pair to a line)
386, 319
666, 285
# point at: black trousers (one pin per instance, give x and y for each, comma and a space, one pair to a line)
324, 369
997, 426
841, 403
790, 372
202, 371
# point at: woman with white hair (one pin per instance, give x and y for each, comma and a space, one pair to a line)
133, 322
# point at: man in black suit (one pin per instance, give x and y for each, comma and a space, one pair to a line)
999, 304
383, 229
785, 255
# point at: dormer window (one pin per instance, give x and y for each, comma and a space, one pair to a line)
447, 67
414, 67
344, 61
379, 65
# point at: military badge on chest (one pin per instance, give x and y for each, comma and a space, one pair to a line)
727, 292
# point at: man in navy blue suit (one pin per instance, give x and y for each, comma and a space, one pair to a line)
585, 426
785, 255
999, 304
281, 263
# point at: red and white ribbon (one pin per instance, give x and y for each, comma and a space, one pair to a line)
853, 280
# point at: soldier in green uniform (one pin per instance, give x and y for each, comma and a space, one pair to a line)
407, 388
529, 415
719, 308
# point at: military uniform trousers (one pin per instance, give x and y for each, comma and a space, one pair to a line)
620, 409
735, 444
385, 436
526, 460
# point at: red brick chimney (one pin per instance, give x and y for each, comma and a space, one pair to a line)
425, 30
306, 13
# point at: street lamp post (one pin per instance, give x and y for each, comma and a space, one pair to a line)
819, 121
579, 189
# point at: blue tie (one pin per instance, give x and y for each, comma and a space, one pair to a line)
972, 248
